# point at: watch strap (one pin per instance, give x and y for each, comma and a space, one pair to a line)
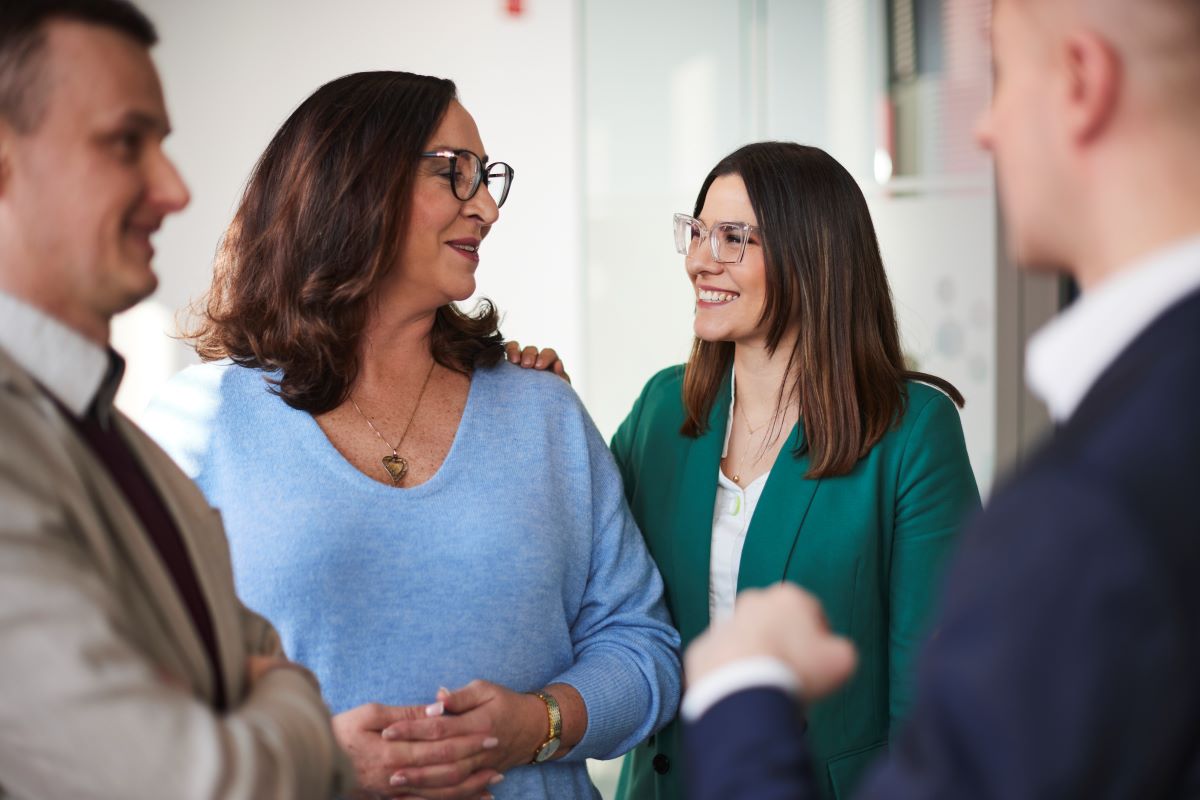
554, 728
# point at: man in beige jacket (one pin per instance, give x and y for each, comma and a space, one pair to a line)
128, 667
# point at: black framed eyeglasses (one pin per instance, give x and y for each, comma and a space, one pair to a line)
727, 240
467, 172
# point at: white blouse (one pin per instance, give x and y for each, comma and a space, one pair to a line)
731, 519
732, 512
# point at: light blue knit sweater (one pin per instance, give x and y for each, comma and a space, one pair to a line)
517, 562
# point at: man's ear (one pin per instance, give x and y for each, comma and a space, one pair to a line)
5, 154
1095, 74
8, 141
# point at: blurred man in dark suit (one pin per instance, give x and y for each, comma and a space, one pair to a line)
1066, 661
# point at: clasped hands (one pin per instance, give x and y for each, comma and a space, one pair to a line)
452, 749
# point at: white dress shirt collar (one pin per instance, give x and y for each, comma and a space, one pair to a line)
1067, 356
75, 370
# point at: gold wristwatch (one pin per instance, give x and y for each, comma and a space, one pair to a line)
554, 739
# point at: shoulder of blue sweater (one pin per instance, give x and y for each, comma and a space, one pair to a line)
528, 385
230, 379
208, 373
193, 386
198, 391
181, 415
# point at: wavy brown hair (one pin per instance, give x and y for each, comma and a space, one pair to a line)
824, 273
321, 223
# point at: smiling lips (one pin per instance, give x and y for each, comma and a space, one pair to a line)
141, 231
714, 297
469, 248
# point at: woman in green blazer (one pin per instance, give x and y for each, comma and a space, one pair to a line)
795, 446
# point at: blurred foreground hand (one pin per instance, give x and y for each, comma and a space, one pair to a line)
783, 622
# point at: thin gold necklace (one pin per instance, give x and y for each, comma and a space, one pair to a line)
751, 432
395, 464
746, 419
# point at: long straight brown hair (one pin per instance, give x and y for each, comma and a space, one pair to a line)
824, 276
320, 225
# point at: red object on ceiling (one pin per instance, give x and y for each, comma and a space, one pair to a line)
515, 7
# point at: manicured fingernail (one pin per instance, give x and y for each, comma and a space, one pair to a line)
435, 709
539, 363
490, 742
389, 734
495, 779
525, 362
398, 780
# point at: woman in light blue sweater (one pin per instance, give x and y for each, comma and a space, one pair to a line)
409, 510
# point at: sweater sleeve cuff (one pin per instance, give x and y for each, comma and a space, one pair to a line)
620, 707
734, 677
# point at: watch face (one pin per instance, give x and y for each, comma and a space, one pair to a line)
548, 750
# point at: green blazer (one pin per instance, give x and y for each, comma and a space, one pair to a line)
869, 544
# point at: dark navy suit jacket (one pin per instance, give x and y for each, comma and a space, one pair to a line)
1066, 659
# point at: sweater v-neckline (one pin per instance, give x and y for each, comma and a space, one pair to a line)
325, 452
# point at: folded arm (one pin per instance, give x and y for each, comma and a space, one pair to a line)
86, 712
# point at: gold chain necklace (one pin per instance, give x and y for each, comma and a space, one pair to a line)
751, 432
751, 429
395, 464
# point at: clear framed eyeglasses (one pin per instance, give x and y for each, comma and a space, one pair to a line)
726, 239
467, 172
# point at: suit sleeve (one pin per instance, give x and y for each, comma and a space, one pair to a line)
1062, 668
84, 712
260, 636
749, 746
936, 492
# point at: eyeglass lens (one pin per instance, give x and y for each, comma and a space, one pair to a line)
467, 169
499, 178
468, 174
727, 239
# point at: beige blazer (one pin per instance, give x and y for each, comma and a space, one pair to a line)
105, 687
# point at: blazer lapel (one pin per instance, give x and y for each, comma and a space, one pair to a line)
199, 527
127, 531
693, 532
778, 518
102, 500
